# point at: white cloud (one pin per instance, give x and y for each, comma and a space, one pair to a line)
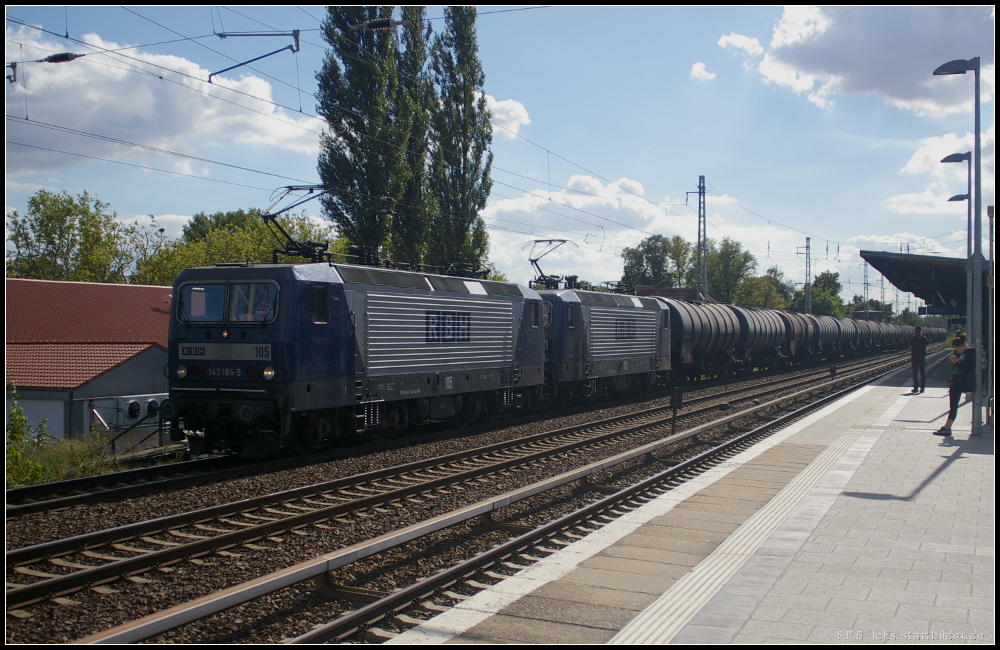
798, 24
699, 72
889, 51
600, 218
927, 159
933, 200
508, 113
725, 198
160, 109
952, 178
617, 219
749, 45
953, 246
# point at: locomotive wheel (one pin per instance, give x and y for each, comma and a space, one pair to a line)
399, 418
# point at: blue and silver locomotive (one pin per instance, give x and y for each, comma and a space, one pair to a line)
272, 356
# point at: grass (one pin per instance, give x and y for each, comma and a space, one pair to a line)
34, 456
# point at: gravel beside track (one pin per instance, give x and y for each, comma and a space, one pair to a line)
46, 526
293, 610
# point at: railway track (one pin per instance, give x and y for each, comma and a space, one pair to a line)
63, 566
467, 578
132, 483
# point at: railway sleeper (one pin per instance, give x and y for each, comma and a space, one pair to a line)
430, 607
378, 635
405, 622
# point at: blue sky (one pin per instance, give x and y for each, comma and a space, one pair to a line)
824, 123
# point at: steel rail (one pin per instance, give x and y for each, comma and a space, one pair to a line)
40, 500
59, 547
227, 598
349, 623
152, 479
175, 551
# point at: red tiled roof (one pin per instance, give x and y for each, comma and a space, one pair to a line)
44, 311
65, 365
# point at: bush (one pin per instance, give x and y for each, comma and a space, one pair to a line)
35, 457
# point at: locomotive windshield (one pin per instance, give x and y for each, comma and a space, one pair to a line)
202, 303
252, 302
248, 303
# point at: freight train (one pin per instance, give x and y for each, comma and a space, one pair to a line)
265, 358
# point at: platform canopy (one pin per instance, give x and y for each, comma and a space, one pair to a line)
939, 281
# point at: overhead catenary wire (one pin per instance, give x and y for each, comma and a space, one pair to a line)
188, 76
64, 129
642, 199
152, 169
105, 50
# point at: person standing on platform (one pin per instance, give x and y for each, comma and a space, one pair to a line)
918, 360
962, 379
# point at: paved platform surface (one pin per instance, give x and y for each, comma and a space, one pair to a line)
854, 525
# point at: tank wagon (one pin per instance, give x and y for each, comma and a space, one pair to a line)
716, 339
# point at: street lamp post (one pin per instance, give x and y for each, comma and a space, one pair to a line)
967, 158
961, 66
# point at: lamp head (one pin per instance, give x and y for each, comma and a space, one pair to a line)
959, 66
958, 157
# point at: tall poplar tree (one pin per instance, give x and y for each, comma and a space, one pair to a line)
362, 162
461, 135
411, 218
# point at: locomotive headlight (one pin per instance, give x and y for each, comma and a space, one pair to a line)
181, 371
268, 373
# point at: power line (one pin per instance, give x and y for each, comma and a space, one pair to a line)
644, 201
18, 21
214, 50
100, 50
152, 169
106, 51
64, 129
620, 225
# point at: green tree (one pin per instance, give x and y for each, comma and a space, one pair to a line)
362, 161
21, 441
761, 292
229, 237
728, 265
858, 304
201, 224
828, 281
414, 211
66, 238
658, 262
461, 135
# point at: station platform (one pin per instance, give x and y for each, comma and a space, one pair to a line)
856, 524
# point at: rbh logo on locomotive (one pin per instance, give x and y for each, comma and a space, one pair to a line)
447, 326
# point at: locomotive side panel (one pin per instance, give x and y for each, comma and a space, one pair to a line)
422, 333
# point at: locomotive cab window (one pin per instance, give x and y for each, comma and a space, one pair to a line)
571, 316
202, 303
535, 316
252, 303
320, 304
546, 314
